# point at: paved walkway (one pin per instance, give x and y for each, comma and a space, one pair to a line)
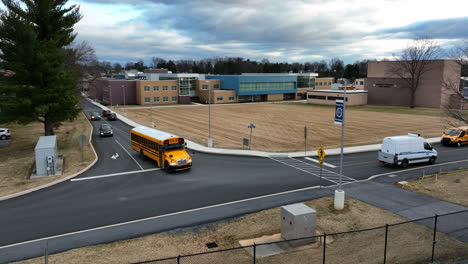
413, 206
197, 147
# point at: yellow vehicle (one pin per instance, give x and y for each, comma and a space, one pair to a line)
166, 149
455, 136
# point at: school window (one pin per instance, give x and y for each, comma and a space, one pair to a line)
174, 98
231, 98
166, 99
164, 87
216, 86
316, 83
219, 98
156, 99
361, 83
320, 83
173, 88
155, 88
147, 99
329, 83
205, 87
147, 88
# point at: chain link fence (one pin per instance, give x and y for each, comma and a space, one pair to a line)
440, 238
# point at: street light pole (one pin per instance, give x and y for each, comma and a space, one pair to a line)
210, 140
124, 91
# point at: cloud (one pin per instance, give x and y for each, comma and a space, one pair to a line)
294, 30
452, 28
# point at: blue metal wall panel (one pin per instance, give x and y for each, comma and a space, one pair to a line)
228, 82
232, 82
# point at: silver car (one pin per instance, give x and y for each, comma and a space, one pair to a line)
5, 133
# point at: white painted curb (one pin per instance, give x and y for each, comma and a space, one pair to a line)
61, 180
236, 152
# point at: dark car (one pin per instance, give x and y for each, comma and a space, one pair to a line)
112, 117
105, 130
105, 112
95, 116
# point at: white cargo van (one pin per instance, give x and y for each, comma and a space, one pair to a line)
404, 150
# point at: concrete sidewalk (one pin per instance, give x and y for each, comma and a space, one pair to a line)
413, 206
197, 147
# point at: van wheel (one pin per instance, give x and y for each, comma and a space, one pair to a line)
404, 163
432, 160
142, 155
459, 144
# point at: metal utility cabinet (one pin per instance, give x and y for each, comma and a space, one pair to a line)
298, 221
46, 156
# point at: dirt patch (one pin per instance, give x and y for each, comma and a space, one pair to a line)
18, 158
363, 247
451, 187
280, 126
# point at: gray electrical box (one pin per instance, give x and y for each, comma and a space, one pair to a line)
46, 156
298, 221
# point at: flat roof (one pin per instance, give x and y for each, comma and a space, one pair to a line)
46, 142
156, 134
339, 91
313, 74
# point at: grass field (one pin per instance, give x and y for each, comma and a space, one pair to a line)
18, 158
363, 247
280, 126
451, 187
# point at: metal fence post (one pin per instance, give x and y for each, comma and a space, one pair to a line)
254, 253
434, 238
324, 247
385, 247
178, 259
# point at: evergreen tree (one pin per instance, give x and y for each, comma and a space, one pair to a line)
33, 37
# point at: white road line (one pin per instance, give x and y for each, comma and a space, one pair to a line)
166, 215
129, 154
113, 174
211, 206
417, 168
326, 164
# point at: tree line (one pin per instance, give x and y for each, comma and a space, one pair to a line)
237, 65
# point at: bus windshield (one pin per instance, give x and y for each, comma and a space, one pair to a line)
174, 146
452, 132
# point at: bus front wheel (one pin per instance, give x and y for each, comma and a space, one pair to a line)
167, 167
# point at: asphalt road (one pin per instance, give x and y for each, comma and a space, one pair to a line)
127, 188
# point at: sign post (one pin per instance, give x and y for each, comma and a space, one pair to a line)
305, 140
321, 154
251, 126
82, 141
340, 120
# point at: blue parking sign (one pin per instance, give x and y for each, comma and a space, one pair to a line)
339, 113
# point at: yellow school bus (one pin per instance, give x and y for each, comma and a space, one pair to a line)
166, 149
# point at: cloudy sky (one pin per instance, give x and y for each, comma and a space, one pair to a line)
278, 30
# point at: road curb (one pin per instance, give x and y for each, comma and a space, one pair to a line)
6, 197
255, 153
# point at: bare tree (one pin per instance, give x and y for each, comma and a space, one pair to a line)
82, 59
414, 61
456, 105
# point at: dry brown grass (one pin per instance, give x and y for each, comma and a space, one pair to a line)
280, 127
365, 247
451, 187
18, 158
